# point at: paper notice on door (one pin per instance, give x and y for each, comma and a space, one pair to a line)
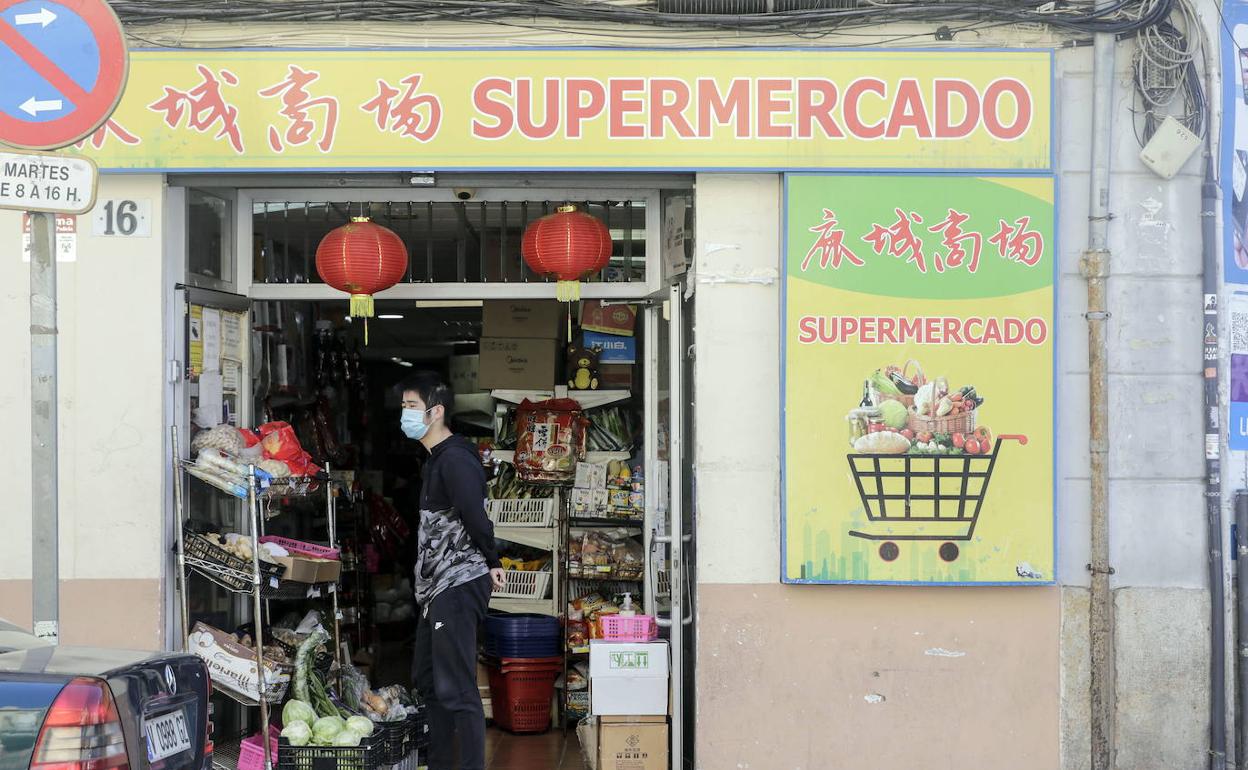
209, 412
231, 374
212, 340
232, 336
196, 342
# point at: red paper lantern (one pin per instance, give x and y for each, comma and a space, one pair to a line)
568, 245
361, 258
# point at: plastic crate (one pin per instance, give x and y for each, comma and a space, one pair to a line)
637, 628
532, 512
534, 648
251, 751
516, 625
301, 548
521, 690
522, 635
362, 757
391, 739
525, 585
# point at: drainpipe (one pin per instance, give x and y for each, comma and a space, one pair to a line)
1213, 482
1095, 268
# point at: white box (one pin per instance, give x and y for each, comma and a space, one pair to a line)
628, 678
464, 371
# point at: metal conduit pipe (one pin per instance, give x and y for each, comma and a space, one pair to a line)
1095, 268
1241, 616
1213, 480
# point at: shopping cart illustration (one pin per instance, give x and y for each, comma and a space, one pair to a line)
924, 497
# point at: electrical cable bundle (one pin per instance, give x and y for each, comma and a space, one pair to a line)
1121, 17
1165, 75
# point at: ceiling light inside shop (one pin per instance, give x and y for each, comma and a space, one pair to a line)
391, 316
401, 362
432, 303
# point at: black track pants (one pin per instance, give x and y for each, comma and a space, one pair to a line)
446, 674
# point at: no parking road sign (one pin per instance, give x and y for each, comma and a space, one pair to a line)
64, 67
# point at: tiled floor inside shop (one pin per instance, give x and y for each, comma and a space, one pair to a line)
550, 751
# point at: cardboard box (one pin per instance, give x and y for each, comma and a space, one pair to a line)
298, 568
529, 319
628, 679
608, 319
615, 376
328, 570
518, 364
462, 372
633, 745
612, 349
302, 569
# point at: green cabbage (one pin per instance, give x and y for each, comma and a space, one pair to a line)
361, 725
347, 738
325, 728
298, 733
894, 414
298, 711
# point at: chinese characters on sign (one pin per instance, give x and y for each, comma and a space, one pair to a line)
1016, 242
203, 106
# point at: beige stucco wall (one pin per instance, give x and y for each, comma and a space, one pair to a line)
111, 387
818, 677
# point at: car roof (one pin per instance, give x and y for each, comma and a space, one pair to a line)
13, 637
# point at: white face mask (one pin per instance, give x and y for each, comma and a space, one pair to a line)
413, 424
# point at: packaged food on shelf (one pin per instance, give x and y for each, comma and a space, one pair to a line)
551, 440
617, 319
280, 443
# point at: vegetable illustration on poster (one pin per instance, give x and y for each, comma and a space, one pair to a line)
919, 379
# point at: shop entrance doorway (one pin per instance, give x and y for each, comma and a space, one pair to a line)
306, 362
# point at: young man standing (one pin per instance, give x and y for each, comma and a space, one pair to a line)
456, 569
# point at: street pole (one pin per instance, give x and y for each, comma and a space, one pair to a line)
43, 438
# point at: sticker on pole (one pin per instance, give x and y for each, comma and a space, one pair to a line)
36, 181
64, 65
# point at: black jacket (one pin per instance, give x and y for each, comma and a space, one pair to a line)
453, 478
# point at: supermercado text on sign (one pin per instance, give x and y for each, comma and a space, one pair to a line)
918, 365
429, 110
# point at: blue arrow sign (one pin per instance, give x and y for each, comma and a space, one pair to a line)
65, 39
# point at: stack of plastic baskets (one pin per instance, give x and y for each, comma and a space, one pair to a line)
522, 636
523, 658
521, 690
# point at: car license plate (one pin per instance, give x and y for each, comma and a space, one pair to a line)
167, 735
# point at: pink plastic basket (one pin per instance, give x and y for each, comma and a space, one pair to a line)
301, 548
251, 753
635, 628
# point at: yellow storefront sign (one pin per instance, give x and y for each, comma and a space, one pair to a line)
581, 109
919, 379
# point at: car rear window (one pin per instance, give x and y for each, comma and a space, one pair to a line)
22, 707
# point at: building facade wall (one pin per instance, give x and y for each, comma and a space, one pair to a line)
795, 676
111, 385
788, 676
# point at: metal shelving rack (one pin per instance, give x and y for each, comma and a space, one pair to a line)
225, 755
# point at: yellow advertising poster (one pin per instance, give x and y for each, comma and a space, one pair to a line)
919, 379
195, 340
429, 110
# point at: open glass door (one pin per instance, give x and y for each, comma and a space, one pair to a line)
669, 529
